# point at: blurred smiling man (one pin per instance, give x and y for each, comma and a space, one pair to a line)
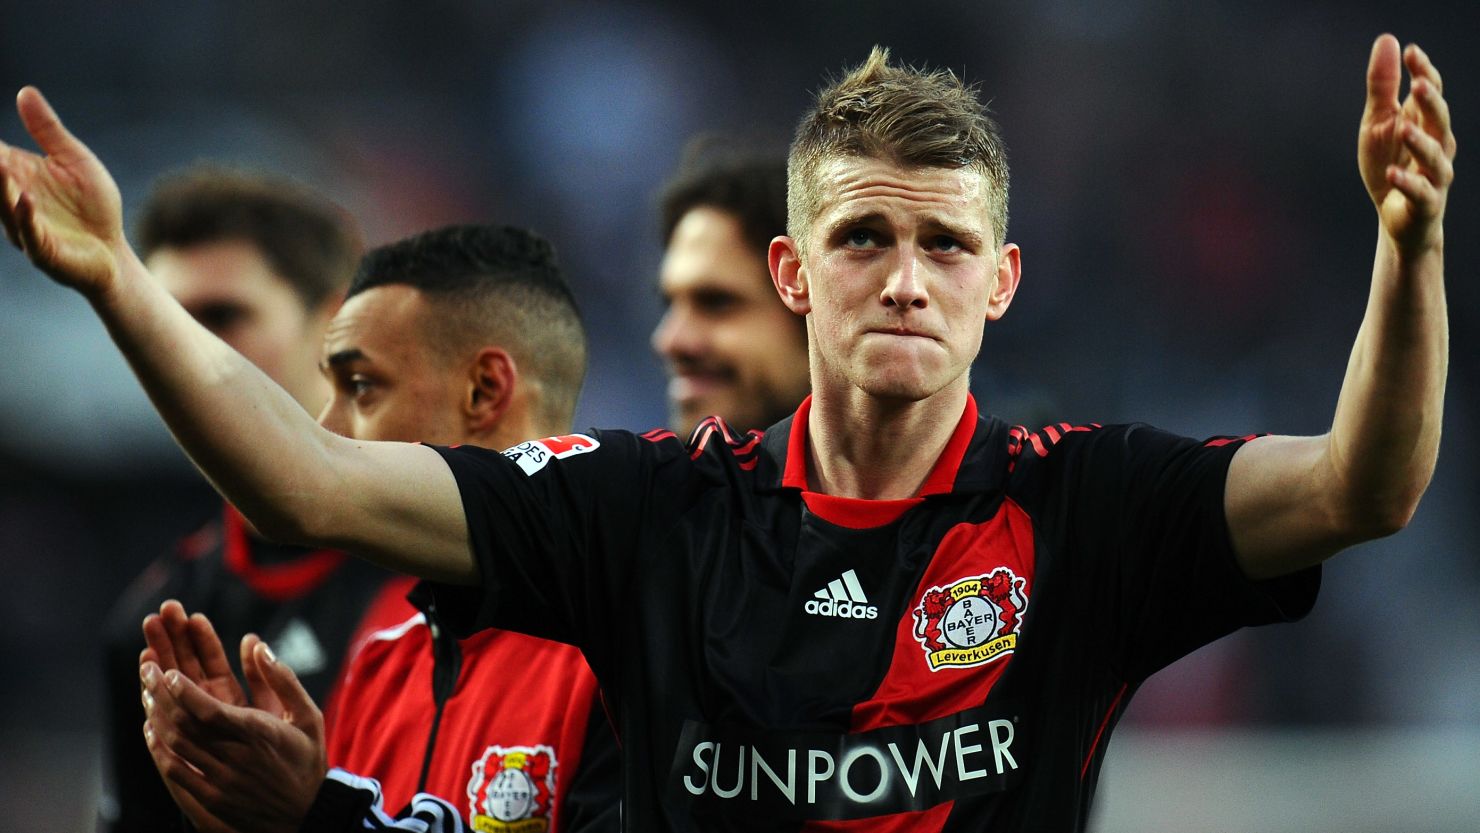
731, 348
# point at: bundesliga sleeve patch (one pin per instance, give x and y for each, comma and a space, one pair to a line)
534, 455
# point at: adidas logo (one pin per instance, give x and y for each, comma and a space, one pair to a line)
844, 598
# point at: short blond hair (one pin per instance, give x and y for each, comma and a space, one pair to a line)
914, 118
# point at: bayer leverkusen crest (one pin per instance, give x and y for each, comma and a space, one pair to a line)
513, 789
971, 621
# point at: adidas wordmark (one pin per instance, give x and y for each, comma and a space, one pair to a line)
844, 598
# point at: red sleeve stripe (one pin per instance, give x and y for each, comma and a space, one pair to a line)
1018, 435
709, 426
658, 435
1222, 441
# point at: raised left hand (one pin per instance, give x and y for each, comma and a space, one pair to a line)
1405, 150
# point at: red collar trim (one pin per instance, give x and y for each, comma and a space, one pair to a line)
866, 514
795, 476
278, 582
854, 513
942, 478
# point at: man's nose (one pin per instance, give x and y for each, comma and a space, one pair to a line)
677, 334
904, 288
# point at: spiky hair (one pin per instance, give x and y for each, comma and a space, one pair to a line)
910, 117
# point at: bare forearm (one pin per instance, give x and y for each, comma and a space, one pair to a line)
247, 435
393, 503
1294, 501
1384, 438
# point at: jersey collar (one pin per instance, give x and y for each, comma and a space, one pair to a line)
278, 582
786, 442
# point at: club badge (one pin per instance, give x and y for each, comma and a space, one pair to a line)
513, 789
971, 621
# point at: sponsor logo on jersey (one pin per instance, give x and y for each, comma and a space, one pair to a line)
513, 789
779, 775
536, 454
971, 621
844, 598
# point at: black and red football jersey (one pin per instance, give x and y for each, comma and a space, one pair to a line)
782, 660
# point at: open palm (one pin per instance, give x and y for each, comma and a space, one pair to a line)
61, 208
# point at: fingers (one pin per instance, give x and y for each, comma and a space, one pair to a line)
1384, 75
178, 724
263, 697
190, 789
267, 673
207, 646
26, 228
158, 640
1419, 66
177, 625
1429, 156
1434, 110
171, 766
1416, 187
9, 192
45, 127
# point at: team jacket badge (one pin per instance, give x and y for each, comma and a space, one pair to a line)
972, 621
513, 789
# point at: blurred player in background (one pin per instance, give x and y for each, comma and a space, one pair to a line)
461, 335
262, 263
731, 348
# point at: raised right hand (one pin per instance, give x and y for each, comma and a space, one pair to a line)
62, 209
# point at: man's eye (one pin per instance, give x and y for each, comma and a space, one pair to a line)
715, 305
220, 317
861, 238
945, 243
359, 386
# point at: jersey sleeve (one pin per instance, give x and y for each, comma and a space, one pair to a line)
556, 526
1152, 562
347, 802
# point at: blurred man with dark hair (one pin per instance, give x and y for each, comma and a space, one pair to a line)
731, 348
462, 335
262, 263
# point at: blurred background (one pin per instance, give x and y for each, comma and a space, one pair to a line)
1197, 246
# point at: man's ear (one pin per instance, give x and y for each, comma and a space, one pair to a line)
1009, 271
788, 274
492, 379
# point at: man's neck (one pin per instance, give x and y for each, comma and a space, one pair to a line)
861, 447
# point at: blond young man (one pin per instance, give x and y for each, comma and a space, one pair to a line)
890, 614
